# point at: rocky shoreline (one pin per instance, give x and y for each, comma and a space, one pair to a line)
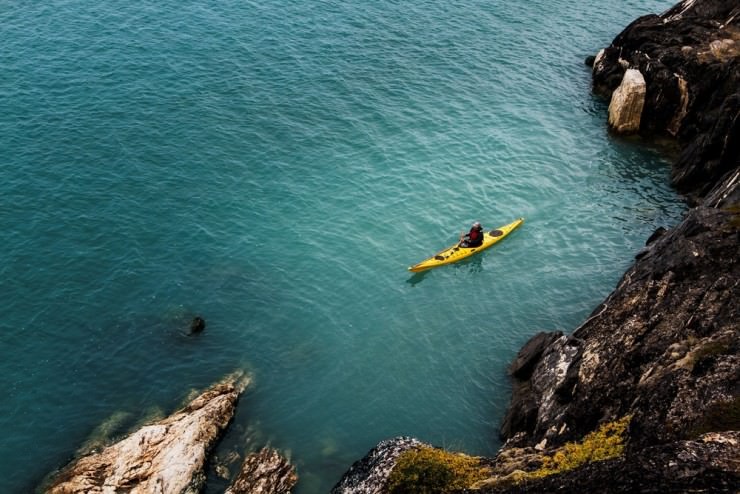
644, 396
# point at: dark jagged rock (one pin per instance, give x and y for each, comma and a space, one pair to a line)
708, 464
524, 409
663, 347
689, 57
370, 474
264, 472
648, 243
659, 232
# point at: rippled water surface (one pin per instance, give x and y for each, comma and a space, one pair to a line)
275, 167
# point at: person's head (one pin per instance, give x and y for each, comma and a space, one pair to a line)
476, 226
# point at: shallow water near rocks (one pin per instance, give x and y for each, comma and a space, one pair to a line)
275, 168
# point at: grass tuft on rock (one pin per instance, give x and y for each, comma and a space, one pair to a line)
603, 444
428, 470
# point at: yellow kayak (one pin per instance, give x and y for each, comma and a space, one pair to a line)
456, 253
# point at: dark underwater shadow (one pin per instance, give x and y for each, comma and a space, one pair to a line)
417, 278
472, 264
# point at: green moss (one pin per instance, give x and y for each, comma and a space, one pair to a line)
605, 443
428, 470
724, 416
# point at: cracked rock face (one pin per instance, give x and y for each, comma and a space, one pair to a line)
264, 472
166, 457
663, 347
370, 474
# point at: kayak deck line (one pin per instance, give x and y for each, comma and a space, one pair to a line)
456, 253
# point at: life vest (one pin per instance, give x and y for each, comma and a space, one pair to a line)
474, 238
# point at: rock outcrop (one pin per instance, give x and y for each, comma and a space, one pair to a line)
164, 457
689, 57
663, 346
264, 472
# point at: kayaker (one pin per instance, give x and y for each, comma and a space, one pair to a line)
474, 238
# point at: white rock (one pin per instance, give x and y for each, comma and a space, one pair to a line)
625, 108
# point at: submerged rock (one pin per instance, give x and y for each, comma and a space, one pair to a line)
265, 472
197, 325
164, 457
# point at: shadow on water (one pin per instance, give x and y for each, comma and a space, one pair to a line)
473, 264
417, 278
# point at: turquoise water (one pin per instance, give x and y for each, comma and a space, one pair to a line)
275, 167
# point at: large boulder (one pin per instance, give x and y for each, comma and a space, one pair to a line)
625, 108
